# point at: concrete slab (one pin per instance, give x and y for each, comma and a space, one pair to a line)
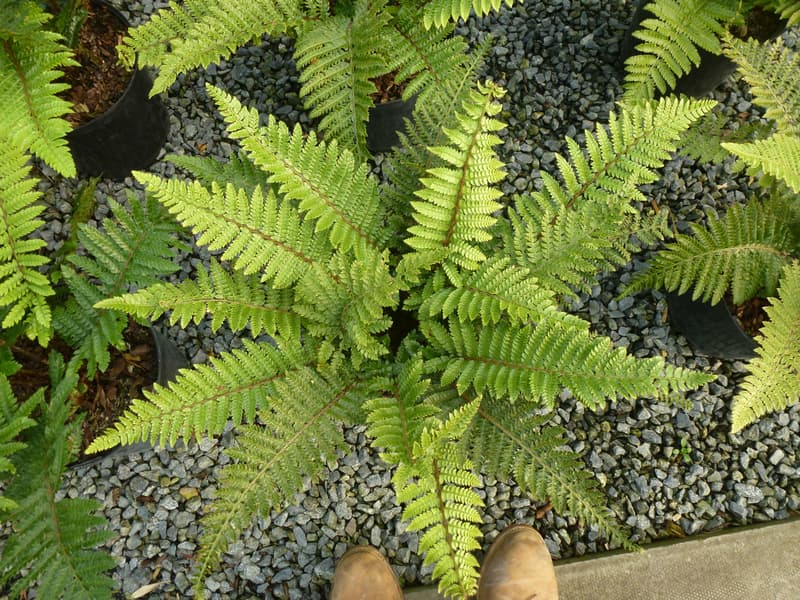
746, 563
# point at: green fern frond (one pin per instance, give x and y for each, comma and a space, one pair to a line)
196, 33
239, 299
772, 70
259, 234
23, 288
440, 12
330, 188
233, 386
536, 362
457, 205
238, 171
337, 59
670, 42
566, 233
774, 379
788, 10
54, 541
301, 432
703, 140
31, 59
743, 252
506, 441
133, 249
778, 155
14, 419
439, 497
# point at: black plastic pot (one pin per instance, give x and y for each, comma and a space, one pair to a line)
713, 69
710, 330
385, 123
170, 360
127, 136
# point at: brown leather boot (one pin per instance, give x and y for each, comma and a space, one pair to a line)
518, 567
364, 574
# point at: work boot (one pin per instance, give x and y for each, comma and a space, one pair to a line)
364, 574
518, 567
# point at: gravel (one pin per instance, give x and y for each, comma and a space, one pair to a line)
560, 69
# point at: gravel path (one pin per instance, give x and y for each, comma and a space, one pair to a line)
558, 61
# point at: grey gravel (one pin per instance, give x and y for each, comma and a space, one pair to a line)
558, 61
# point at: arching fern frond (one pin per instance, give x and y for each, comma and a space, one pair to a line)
778, 155
670, 42
301, 432
536, 362
437, 490
14, 419
743, 252
196, 33
239, 299
457, 205
330, 188
201, 400
54, 541
31, 59
774, 379
703, 140
238, 170
440, 12
23, 288
133, 249
506, 441
772, 70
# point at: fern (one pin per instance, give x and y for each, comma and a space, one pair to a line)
703, 140
439, 12
789, 10
23, 289
134, 249
774, 379
670, 43
778, 155
54, 541
14, 419
744, 252
31, 59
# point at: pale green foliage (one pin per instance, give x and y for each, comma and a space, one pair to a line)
670, 42
23, 289
787, 9
30, 61
743, 252
54, 541
439, 12
778, 155
14, 419
774, 379
401, 306
703, 141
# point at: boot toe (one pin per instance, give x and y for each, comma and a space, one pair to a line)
364, 574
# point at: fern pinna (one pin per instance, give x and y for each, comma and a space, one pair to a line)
432, 334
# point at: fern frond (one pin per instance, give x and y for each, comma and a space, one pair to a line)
743, 252
566, 233
201, 400
772, 70
331, 189
670, 42
301, 432
774, 379
535, 362
238, 171
239, 299
23, 289
31, 59
14, 419
440, 12
789, 10
778, 155
439, 497
54, 541
703, 140
196, 33
457, 205
506, 441
259, 234
337, 59
133, 249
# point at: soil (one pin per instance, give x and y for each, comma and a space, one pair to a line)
762, 25
750, 314
388, 89
100, 80
102, 399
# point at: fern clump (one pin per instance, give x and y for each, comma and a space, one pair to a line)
423, 307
